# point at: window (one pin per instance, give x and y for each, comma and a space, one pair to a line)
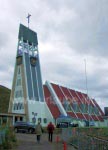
33, 61
39, 120
15, 106
18, 94
45, 120
75, 106
96, 111
85, 108
18, 82
69, 108
18, 106
19, 71
90, 109
65, 104
82, 107
19, 60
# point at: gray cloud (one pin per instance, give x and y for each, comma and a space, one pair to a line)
87, 32
68, 32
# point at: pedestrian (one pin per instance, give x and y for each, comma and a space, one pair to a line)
38, 131
50, 129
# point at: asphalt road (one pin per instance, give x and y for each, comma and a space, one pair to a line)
28, 142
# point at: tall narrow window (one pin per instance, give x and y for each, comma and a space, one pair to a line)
18, 82
19, 71
75, 106
18, 94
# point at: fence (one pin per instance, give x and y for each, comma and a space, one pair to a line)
82, 141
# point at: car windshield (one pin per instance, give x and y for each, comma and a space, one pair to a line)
30, 123
21, 122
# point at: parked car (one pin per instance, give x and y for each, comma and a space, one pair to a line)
24, 127
62, 125
66, 125
73, 125
92, 123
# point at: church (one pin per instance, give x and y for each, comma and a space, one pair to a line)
32, 101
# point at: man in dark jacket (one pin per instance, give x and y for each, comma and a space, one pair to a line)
50, 129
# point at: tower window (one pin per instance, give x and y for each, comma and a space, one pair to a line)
19, 71
18, 106
19, 60
33, 61
18, 94
18, 82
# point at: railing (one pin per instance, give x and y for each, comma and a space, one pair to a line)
82, 141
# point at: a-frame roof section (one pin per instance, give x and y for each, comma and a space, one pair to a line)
58, 92
79, 101
68, 97
71, 96
101, 112
50, 103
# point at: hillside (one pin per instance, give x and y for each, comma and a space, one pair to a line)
4, 99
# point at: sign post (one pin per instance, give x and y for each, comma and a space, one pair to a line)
34, 117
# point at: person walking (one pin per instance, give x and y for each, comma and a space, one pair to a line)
38, 131
50, 129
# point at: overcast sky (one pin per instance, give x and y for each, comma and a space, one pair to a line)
71, 34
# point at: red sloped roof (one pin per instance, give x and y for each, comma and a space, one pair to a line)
98, 107
72, 114
74, 95
100, 118
51, 104
80, 116
95, 118
88, 116
69, 97
66, 93
81, 97
58, 92
86, 99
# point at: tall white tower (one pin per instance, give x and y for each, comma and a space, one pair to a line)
27, 90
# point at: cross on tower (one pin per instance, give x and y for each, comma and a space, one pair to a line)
28, 17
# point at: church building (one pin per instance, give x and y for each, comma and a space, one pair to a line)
32, 101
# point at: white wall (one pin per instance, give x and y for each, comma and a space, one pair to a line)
42, 111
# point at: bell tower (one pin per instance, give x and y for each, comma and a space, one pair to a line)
27, 90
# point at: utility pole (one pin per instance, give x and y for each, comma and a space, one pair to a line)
87, 91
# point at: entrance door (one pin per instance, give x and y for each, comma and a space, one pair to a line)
16, 118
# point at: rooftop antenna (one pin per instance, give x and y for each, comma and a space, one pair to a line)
28, 17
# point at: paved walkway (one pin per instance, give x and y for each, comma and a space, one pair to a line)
28, 142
